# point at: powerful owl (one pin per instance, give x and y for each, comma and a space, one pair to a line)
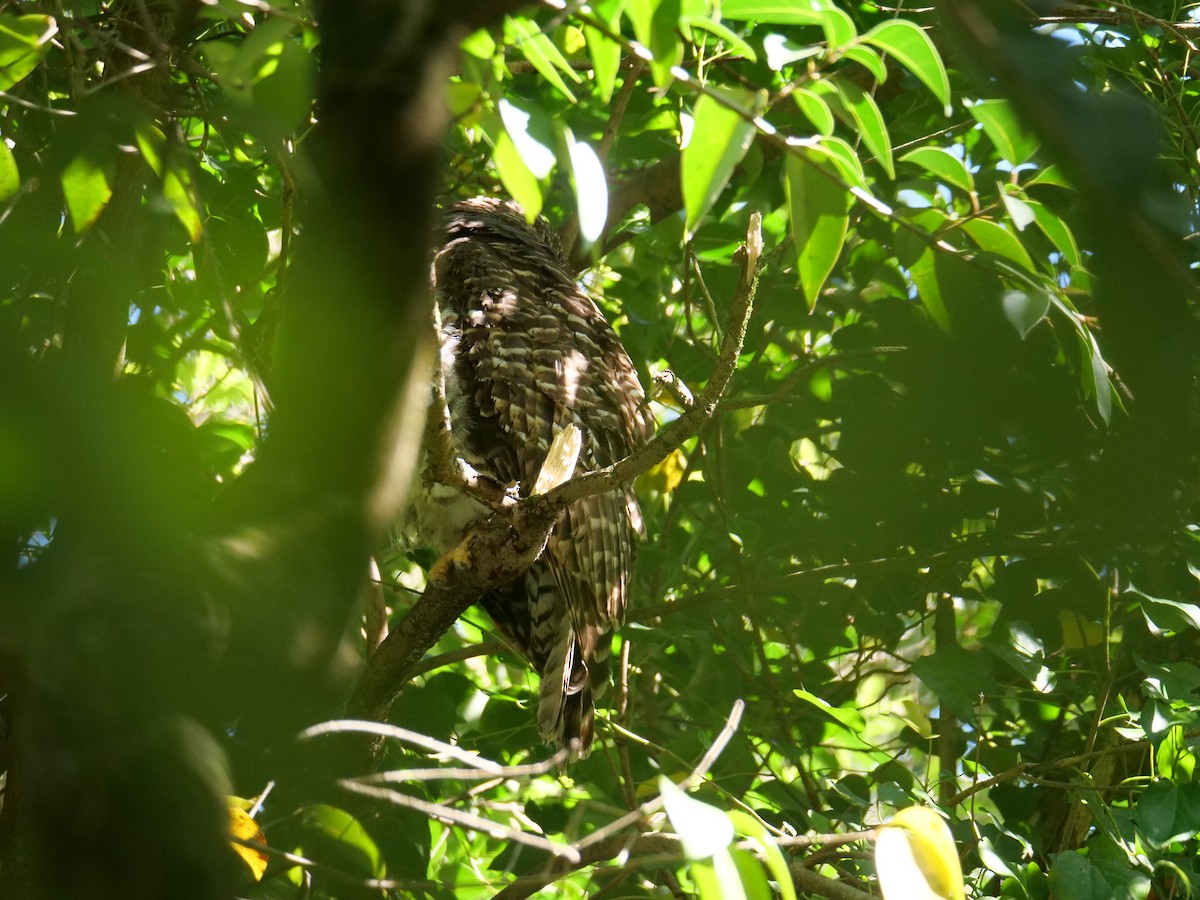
526, 353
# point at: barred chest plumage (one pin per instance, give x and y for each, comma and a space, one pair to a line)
525, 352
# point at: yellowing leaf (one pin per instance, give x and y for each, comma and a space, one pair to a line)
666, 476
244, 828
916, 858
1078, 632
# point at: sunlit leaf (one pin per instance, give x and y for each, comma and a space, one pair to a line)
537, 156
10, 177
703, 829
815, 109
520, 183
479, 44
838, 27
850, 719
942, 164
177, 188
1001, 125
655, 22
1095, 378
606, 61
864, 113
778, 12
86, 189
776, 863
720, 138
913, 49
1056, 230
820, 216
24, 40
996, 238
1019, 212
244, 828
916, 857
736, 43
540, 51
591, 189
868, 59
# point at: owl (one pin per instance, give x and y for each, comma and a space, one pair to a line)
525, 353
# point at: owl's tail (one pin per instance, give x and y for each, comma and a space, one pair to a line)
575, 674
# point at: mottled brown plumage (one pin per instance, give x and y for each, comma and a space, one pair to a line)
526, 352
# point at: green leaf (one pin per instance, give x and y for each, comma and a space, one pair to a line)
850, 719
521, 184
838, 27
819, 210
703, 829
655, 23
1169, 812
736, 44
1056, 230
844, 159
747, 872
776, 12
1174, 757
10, 177
868, 59
338, 836
1073, 877
1164, 615
479, 44
755, 830
957, 676
85, 187
591, 189
720, 138
867, 120
1095, 379
815, 109
913, 49
527, 37
606, 62
995, 238
177, 188
943, 165
284, 86
1025, 310
537, 156
1018, 210
999, 120
24, 40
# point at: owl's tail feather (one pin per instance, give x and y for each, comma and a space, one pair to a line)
566, 708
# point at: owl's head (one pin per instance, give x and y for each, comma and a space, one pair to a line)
496, 219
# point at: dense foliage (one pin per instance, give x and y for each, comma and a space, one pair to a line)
935, 545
